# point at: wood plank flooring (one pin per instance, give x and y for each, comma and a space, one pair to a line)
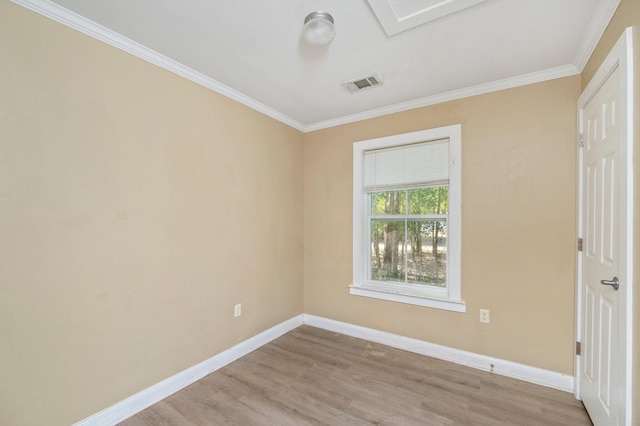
311, 376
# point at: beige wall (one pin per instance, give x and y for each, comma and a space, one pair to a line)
131, 201
627, 15
136, 208
518, 225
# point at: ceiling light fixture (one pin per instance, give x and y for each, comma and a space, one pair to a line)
318, 28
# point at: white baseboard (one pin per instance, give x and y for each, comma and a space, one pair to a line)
155, 393
515, 370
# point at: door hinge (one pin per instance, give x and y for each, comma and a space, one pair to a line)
578, 348
579, 244
580, 140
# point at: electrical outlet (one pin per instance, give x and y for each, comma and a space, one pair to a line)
484, 315
237, 310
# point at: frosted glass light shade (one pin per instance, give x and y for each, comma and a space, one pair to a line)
318, 28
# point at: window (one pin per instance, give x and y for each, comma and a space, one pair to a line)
406, 218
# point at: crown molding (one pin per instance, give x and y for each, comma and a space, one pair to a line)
598, 24
494, 86
66, 17
97, 31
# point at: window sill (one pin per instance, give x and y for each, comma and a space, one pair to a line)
411, 298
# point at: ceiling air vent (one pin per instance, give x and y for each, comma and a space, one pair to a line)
362, 83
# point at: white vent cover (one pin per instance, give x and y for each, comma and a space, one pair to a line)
363, 83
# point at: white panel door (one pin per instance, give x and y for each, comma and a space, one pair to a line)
605, 223
600, 253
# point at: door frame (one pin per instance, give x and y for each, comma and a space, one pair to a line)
620, 57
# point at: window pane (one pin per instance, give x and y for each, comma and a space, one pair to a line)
388, 202
387, 251
433, 200
427, 252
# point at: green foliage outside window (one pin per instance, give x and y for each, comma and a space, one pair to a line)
409, 235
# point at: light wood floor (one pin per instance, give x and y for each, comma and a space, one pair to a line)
311, 376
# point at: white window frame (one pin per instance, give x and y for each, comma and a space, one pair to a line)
410, 293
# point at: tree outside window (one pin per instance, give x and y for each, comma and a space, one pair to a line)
408, 234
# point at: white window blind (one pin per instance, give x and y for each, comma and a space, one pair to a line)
407, 166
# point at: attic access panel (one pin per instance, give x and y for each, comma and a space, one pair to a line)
400, 15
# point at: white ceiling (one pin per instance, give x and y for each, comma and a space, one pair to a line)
252, 50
